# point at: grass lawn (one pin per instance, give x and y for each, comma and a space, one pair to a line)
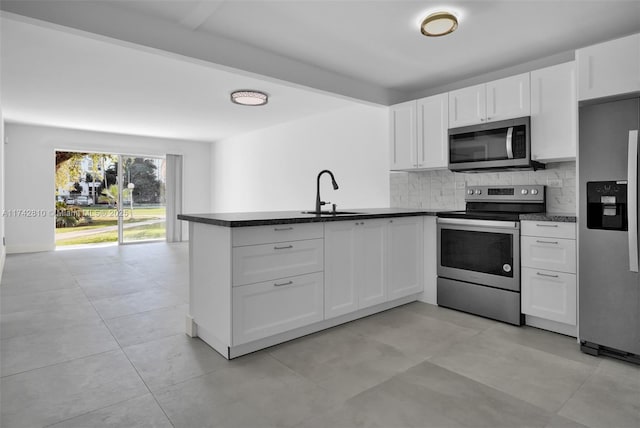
103, 216
144, 232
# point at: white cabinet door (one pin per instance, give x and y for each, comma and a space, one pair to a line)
467, 106
268, 308
256, 235
372, 248
609, 69
549, 295
355, 265
341, 271
402, 139
430, 260
554, 108
549, 253
257, 263
405, 252
508, 98
433, 124
550, 229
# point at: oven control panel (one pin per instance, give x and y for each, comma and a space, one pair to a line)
533, 193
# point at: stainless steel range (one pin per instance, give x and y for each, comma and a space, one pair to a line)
479, 251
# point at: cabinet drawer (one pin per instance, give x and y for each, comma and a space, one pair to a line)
549, 253
257, 263
550, 229
549, 295
255, 235
268, 308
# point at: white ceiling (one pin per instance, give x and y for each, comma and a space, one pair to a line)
166, 67
55, 78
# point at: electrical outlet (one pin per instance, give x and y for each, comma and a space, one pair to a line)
554, 182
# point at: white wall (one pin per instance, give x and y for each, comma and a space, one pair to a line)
30, 175
275, 168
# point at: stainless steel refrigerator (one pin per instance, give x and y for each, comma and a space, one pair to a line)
609, 283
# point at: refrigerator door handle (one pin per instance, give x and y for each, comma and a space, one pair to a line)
632, 200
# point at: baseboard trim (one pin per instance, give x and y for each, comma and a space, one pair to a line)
3, 256
557, 327
231, 352
246, 348
37, 248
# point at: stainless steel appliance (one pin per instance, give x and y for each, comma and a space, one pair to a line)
501, 145
609, 283
479, 251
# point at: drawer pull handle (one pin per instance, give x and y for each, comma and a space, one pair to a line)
278, 229
547, 242
283, 283
283, 248
546, 274
546, 225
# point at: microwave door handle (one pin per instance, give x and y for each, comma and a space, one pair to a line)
510, 143
632, 200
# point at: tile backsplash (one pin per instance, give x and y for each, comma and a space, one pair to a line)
444, 189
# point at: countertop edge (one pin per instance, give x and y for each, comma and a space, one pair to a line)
559, 217
301, 218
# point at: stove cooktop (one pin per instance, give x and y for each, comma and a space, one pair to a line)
504, 203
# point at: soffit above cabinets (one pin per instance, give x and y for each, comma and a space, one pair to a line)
369, 50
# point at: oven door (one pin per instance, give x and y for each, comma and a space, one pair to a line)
484, 252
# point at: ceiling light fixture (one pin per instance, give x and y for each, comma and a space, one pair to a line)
439, 24
248, 97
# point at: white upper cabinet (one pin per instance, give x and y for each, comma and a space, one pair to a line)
433, 123
467, 106
508, 98
554, 113
501, 99
609, 69
418, 131
403, 130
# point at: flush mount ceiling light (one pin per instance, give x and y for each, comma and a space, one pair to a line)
248, 97
439, 24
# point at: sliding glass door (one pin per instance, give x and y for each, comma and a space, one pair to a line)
142, 199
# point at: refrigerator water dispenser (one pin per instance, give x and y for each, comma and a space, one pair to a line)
607, 205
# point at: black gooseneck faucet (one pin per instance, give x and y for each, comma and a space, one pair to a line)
319, 203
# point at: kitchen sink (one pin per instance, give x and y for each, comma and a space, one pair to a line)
330, 213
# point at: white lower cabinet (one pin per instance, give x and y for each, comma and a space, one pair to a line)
430, 258
550, 295
259, 286
373, 269
368, 262
256, 263
355, 265
272, 307
554, 254
405, 253
548, 275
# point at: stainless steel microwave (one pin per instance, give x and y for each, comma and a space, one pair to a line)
501, 145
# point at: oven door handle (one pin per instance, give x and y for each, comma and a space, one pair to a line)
510, 143
479, 223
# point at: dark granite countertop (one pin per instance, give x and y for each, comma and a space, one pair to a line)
262, 218
559, 217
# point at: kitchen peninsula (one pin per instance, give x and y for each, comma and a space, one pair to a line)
262, 278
